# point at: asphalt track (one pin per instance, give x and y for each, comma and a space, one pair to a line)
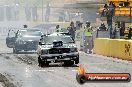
23, 71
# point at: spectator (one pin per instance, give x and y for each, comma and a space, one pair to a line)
25, 26
72, 30
88, 38
105, 6
105, 10
122, 29
102, 27
58, 29
111, 7
114, 32
121, 4
130, 32
126, 4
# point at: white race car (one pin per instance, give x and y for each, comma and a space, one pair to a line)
57, 47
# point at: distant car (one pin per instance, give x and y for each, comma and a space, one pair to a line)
24, 39
57, 47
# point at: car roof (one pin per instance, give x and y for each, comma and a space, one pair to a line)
29, 29
57, 34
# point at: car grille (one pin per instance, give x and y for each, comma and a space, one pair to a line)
32, 44
59, 50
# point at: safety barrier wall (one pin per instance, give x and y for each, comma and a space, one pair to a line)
116, 48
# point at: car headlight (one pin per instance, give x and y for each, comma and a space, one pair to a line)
44, 51
21, 42
73, 50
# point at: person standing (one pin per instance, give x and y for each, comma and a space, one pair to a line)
130, 32
82, 37
58, 29
72, 30
122, 30
104, 10
88, 43
114, 32
110, 14
25, 26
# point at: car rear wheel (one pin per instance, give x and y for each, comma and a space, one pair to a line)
40, 62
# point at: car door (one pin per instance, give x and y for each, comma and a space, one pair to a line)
10, 39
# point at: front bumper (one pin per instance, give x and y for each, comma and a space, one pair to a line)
60, 57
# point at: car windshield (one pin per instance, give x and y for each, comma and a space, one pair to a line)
51, 39
23, 33
64, 30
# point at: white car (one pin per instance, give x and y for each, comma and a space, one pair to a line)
57, 47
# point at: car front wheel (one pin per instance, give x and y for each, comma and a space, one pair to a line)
42, 63
77, 60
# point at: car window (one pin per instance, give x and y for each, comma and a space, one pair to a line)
29, 33
64, 30
51, 39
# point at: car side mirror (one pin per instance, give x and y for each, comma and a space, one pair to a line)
40, 43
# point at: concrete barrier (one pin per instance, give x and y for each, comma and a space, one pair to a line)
116, 48
99, 44
113, 48
125, 51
